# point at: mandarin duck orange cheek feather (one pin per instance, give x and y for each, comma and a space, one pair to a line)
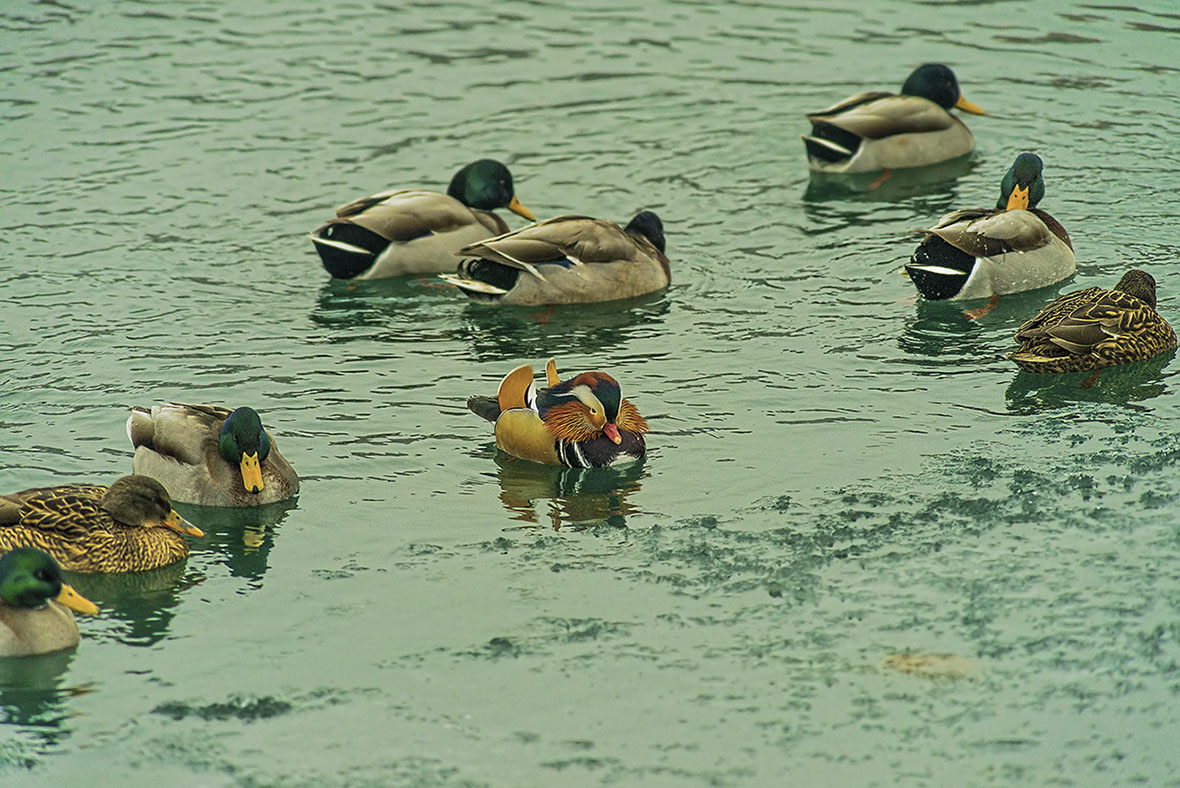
582, 422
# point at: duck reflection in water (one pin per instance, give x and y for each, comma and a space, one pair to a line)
241, 538
508, 333
933, 180
32, 696
567, 497
1124, 384
137, 607
405, 307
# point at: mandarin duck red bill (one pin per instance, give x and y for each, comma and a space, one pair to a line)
583, 422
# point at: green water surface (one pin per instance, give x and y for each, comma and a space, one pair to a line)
837, 474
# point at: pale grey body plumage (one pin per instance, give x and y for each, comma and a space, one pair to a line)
569, 260
897, 131
425, 230
1015, 250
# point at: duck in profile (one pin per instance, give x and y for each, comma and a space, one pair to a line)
979, 253
127, 527
35, 605
1093, 328
583, 422
414, 231
566, 260
885, 131
209, 455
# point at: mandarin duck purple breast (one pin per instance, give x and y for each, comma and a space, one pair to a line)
583, 422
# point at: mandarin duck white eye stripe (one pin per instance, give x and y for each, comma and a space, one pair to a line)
563, 424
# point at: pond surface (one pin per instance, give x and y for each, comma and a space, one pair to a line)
863, 550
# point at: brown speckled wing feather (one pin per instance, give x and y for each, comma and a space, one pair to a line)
70, 513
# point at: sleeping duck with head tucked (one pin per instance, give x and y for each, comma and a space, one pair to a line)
583, 422
209, 455
566, 260
127, 527
1096, 327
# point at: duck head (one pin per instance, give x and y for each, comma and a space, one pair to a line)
648, 225
586, 406
29, 578
937, 82
1140, 284
1022, 187
486, 185
244, 443
142, 502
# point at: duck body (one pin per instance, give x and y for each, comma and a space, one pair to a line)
583, 422
127, 527
983, 253
35, 605
209, 455
885, 131
1094, 328
414, 231
566, 260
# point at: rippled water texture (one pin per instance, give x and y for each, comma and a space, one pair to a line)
863, 550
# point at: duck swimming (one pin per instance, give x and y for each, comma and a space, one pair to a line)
583, 422
415, 231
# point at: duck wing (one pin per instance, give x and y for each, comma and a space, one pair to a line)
413, 213
886, 116
989, 233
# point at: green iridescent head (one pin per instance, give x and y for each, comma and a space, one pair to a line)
30, 578
937, 82
244, 443
486, 185
1023, 186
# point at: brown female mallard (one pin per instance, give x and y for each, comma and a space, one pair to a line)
127, 527
1094, 328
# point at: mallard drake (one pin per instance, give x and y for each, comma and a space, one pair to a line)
566, 260
1094, 328
414, 231
982, 253
35, 605
209, 455
582, 423
127, 527
879, 131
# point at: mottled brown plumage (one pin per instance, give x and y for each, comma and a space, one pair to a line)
1094, 328
127, 527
